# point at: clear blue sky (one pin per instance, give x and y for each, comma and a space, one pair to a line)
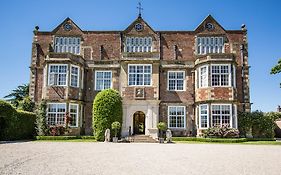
263, 20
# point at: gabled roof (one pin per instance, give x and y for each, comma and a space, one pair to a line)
65, 21
208, 19
138, 20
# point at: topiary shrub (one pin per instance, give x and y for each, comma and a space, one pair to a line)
107, 108
15, 125
115, 126
162, 126
221, 132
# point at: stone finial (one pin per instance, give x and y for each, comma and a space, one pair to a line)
243, 27
35, 31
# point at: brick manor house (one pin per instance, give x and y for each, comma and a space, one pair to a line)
192, 80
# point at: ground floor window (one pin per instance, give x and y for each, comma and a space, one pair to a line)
56, 113
176, 117
217, 115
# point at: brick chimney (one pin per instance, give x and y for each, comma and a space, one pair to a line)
279, 108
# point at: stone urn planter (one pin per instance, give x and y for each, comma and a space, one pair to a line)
115, 139
115, 127
162, 127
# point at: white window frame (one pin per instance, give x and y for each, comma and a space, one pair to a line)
200, 114
230, 114
201, 84
184, 117
220, 79
135, 83
78, 76
56, 113
176, 87
77, 113
66, 46
49, 73
103, 71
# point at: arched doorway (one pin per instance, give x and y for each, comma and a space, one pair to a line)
139, 123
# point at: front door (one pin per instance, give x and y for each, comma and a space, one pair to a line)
139, 123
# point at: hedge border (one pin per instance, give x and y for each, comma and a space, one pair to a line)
65, 137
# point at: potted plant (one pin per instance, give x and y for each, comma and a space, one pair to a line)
162, 127
115, 127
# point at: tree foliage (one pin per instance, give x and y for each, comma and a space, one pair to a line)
261, 124
276, 69
107, 108
26, 104
18, 94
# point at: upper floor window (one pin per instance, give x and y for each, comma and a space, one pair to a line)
138, 44
176, 117
139, 75
103, 80
57, 75
207, 45
73, 112
74, 81
220, 75
67, 44
176, 80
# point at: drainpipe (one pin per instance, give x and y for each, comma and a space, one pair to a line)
242, 74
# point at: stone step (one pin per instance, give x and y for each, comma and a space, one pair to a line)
142, 139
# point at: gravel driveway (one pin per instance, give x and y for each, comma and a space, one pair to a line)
138, 158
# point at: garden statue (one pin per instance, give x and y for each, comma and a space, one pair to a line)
107, 135
169, 136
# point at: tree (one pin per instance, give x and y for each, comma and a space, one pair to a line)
107, 108
41, 125
26, 104
276, 69
18, 94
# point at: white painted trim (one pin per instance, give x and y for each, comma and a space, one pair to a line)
77, 112
151, 74
78, 75
67, 72
184, 81
111, 83
183, 120
229, 75
230, 112
56, 121
199, 114
207, 72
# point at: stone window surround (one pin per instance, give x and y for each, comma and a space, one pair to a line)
62, 44
111, 84
209, 44
168, 80
67, 105
231, 76
184, 117
138, 44
150, 65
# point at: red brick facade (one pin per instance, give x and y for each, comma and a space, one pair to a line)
172, 51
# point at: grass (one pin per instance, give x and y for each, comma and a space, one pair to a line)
70, 140
66, 138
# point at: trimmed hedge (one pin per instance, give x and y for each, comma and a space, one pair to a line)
64, 137
221, 140
15, 125
107, 108
218, 140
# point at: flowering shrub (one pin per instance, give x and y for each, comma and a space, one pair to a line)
221, 132
57, 130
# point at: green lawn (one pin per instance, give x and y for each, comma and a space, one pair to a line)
243, 143
70, 140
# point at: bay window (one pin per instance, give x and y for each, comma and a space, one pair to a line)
103, 80
203, 116
56, 113
58, 75
221, 115
74, 81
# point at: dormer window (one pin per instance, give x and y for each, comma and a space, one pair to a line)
207, 45
138, 44
67, 44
